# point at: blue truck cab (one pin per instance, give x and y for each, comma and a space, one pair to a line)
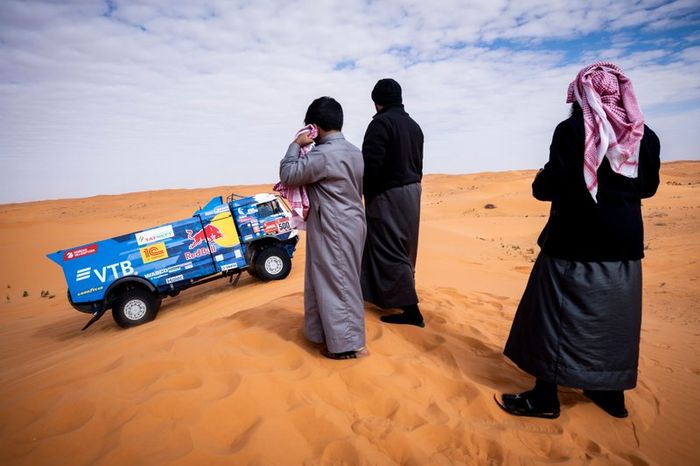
132, 273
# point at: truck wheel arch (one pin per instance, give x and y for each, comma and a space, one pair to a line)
255, 247
121, 285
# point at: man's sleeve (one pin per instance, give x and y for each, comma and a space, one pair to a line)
373, 152
549, 182
299, 171
647, 181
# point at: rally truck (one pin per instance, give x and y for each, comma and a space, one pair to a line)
132, 273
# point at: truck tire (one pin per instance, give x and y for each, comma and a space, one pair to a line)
135, 307
272, 263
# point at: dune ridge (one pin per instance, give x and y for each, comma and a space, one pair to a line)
224, 375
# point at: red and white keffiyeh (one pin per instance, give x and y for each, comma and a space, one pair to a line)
614, 124
296, 196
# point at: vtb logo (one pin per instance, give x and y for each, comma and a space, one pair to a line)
102, 275
154, 252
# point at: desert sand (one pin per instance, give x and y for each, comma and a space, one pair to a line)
224, 376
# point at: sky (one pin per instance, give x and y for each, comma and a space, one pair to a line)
107, 97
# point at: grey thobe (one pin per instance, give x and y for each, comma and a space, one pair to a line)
335, 235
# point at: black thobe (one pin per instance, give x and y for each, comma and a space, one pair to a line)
393, 156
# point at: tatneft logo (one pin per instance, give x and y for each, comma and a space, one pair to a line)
154, 252
119, 269
155, 234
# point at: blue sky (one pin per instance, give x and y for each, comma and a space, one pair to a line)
103, 97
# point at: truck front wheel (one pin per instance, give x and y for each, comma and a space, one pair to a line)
135, 307
272, 263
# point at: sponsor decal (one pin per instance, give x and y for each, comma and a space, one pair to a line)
220, 209
237, 253
176, 278
209, 232
249, 211
91, 290
279, 225
154, 252
270, 227
154, 234
79, 252
198, 253
83, 274
167, 270
219, 257
226, 267
118, 270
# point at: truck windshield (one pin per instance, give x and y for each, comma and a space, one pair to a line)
267, 209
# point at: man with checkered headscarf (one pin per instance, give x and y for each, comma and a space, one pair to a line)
578, 323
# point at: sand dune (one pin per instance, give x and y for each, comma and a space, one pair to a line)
224, 375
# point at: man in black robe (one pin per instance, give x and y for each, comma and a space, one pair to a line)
393, 156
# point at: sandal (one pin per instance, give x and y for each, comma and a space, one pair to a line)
524, 404
362, 352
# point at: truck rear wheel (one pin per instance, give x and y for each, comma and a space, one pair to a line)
272, 263
135, 307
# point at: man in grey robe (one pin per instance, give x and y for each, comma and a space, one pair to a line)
393, 155
332, 173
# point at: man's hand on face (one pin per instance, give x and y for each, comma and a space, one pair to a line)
303, 139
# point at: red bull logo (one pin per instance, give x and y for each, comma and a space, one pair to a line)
209, 233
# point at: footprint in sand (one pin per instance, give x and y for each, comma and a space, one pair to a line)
430, 342
341, 452
178, 382
437, 318
479, 348
373, 427
545, 447
436, 415
484, 450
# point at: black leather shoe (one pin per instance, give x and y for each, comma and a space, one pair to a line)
526, 404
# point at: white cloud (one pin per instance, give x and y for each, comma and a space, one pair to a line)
181, 94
